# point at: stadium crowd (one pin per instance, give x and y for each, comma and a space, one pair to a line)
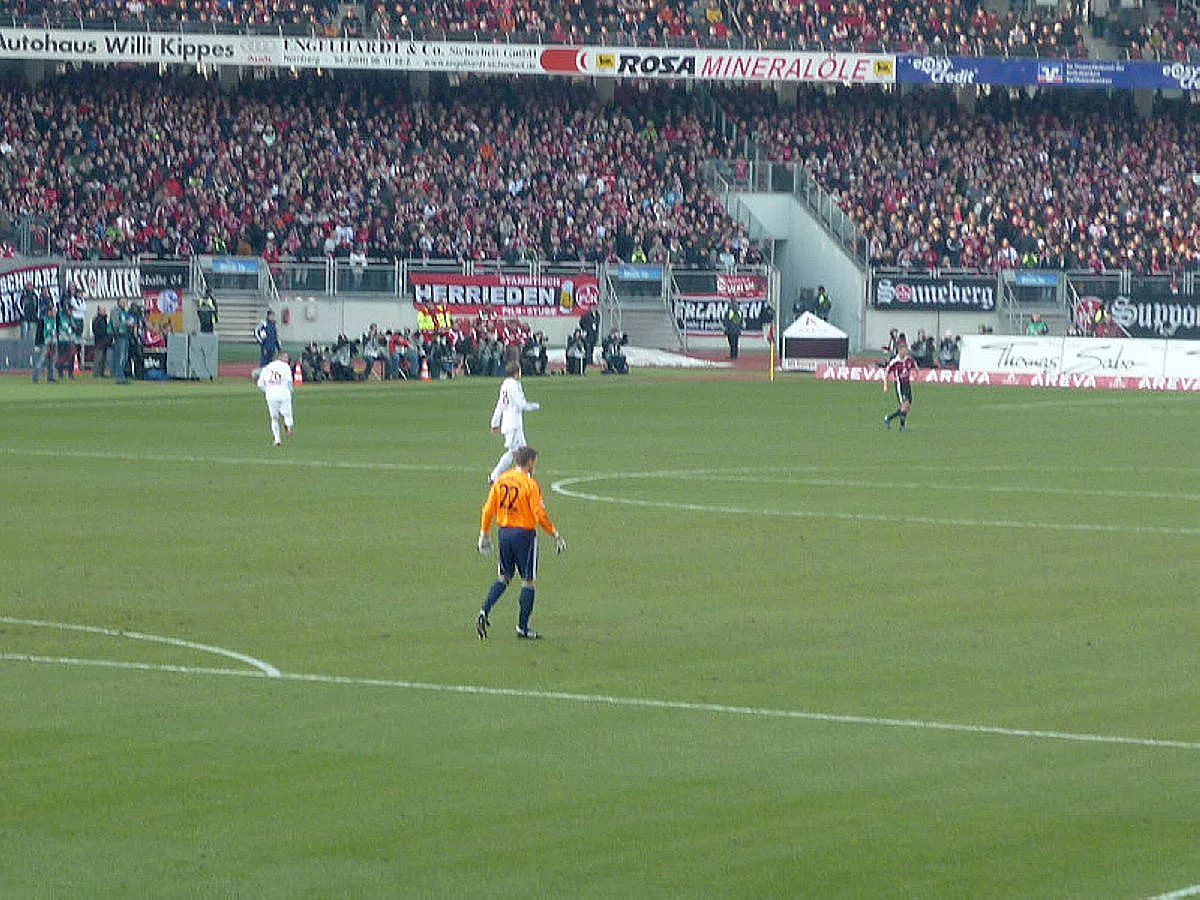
1174, 35
117, 164
296, 16
916, 26
900, 26
1068, 180
923, 26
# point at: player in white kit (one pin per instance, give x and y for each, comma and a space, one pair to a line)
275, 380
509, 417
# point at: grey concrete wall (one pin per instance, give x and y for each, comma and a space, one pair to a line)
808, 256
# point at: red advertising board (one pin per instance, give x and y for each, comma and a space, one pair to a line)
742, 287
1075, 381
506, 295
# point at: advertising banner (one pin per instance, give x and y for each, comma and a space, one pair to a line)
704, 298
409, 56
742, 287
1070, 357
234, 265
702, 316
13, 282
838, 372
1035, 278
104, 284
162, 300
950, 294
642, 272
158, 293
506, 295
720, 65
695, 64
63, 45
1059, 73
373, 54
1140, 316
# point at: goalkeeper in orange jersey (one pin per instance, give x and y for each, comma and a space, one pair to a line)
515, 503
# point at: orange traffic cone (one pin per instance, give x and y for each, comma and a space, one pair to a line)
425, 369
298, 377
75, 366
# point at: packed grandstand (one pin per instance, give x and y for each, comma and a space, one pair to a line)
901, 26
113, 164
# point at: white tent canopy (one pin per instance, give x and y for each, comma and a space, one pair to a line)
810, 326
810, 341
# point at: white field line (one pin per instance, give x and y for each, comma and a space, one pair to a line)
565, 487
1193, 891
773, 479
264, 667
368, 465
615, 701
271, 462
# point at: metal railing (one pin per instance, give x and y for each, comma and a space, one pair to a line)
610, 304
829, 214
672, 291
727, 177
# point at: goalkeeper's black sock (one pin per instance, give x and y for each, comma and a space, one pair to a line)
891, 415
494, 594
526, 608
903, 420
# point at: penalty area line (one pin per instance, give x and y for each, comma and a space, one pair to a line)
621, 702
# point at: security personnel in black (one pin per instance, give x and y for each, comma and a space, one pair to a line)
101, 341
589, 323
823, 303
733, 321
30, 311
206, 312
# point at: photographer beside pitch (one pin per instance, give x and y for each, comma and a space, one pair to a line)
515, 503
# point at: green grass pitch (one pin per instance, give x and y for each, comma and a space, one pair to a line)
1022, 560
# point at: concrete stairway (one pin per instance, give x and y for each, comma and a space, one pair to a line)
650, 327
238, 313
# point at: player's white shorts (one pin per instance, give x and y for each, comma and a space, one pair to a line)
280, 407
514, 440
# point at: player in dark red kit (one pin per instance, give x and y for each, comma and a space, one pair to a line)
900, 368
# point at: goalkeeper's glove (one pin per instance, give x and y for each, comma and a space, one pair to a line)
485, 544
560, 543
534, 407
